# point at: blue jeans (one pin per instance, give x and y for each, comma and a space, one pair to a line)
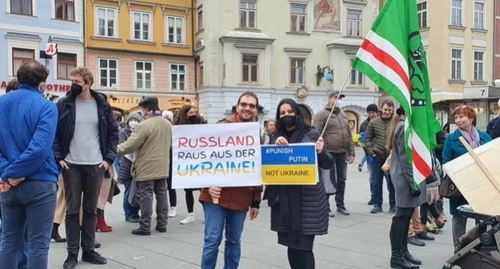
216, 217
363, 160
22, 258
116, 165
377, 181
29, 206
129, 210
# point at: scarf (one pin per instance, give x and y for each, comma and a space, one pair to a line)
472, 137
288, 197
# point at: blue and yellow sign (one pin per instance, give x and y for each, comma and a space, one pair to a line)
292, 164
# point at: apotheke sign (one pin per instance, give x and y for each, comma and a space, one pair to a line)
48, 86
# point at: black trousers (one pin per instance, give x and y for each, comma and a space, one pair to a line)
81, 185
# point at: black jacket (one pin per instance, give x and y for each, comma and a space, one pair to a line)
494, 128
125, 164
313, 199
108, 127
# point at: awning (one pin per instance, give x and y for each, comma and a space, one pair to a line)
444, 96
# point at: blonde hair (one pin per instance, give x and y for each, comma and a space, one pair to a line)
83, 71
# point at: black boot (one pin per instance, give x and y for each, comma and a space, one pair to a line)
396, 234
55, 234
404, 245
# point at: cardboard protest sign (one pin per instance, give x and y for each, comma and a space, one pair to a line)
222, 155
477, 176
292, 164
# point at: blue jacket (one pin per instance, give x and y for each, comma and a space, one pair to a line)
28, 124
452, 149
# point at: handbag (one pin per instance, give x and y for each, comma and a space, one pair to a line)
448, 189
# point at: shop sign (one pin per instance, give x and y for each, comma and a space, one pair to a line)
48, 86
178, 102
121, 100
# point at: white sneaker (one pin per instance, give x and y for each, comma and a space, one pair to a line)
172, 213
188, 219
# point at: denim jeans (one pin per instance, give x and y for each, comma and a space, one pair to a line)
363, 160
27, 211
22, 258
130, 211
216, 217
377, 176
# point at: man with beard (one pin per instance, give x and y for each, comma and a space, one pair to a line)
233, 204
377, 134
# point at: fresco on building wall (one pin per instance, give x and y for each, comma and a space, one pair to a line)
326, 15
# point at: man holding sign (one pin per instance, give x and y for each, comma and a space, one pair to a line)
228, 206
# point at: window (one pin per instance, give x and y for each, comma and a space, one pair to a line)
247, 14
250, 67
422, 14
177, 77
200, 77
65, 10
65, 62
456, 12
141, 26
143, 75
19, 56
23, 7
456, 64
479, 15
353, 23
297, 71
106, 22
107, 72
200, 19
298, 18
478, 65
175, 29
356, 77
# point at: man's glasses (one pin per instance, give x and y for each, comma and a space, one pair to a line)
252, 106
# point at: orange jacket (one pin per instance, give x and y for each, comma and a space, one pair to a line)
236, 198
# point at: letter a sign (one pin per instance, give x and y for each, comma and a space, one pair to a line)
51, 48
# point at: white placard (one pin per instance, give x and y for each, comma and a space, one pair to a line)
223, 155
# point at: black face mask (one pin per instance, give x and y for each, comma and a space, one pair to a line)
288, 120
193, 119
76, 89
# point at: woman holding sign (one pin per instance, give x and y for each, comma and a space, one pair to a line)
298, 212
188, 115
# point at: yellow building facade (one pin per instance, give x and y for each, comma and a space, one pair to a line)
141, 48
459, 38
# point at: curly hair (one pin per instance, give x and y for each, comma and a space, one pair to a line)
181, 116
32, 73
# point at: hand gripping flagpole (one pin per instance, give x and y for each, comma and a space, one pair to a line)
334, 103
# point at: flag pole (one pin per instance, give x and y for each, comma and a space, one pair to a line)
334, 103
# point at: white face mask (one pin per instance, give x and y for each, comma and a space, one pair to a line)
133, 124
339, 102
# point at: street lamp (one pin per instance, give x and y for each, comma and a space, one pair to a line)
321, 73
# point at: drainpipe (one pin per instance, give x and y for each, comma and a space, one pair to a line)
83, 22
195, 59
495, 39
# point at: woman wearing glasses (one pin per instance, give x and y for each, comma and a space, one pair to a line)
465, 119
298, 212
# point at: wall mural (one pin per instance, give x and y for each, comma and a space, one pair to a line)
326, 15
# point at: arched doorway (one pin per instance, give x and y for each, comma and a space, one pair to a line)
305, 113
353, 121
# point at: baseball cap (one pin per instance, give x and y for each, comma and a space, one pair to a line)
335, 94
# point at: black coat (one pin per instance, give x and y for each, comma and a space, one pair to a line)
314, 201
125, 164
108, 127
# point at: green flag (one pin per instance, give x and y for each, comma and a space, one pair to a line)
393, 57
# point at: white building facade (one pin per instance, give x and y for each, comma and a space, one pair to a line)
276, 49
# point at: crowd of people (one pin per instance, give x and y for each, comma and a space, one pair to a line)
58, 163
